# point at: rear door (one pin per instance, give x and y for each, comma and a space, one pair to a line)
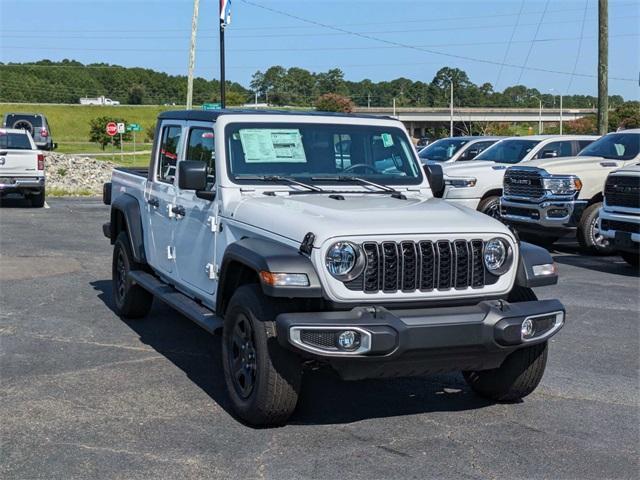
196, 230
18, 156
160, 196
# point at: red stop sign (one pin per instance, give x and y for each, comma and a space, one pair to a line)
112, 129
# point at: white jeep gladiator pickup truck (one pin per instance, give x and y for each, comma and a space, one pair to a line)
313, 239
21, 166
549, 198
478, 184
620, 213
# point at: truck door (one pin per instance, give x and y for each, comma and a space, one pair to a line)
160, 197
196, 230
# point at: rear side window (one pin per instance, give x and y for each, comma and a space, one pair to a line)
168, 155
23, 122
583, 144
201, 147
15, 141
556, 149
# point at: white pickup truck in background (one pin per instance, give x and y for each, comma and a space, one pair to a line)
21, 166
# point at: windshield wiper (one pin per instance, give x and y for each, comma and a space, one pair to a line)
280, 178
350, 178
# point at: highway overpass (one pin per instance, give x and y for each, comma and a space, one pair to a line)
417, 119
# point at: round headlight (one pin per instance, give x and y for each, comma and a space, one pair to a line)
496, 256
344, 261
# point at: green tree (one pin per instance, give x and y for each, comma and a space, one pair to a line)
625, 116
98, 132
137, 94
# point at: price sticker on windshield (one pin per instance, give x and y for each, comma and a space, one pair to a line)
387, 140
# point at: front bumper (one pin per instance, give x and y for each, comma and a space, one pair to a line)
560, 215
21, 185
419, 341
622, 229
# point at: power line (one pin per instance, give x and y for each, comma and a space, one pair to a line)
535, 35
575, 64
506, 52
413, 47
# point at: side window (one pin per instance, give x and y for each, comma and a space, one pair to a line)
556, 149
583, 144
342, 149
201, 147
474, 150
168, 155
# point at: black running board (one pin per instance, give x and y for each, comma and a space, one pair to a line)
188, 307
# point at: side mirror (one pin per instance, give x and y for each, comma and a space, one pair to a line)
549, 154
436, 179
192, 175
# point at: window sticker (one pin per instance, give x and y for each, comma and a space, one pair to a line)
387, 140
272, 145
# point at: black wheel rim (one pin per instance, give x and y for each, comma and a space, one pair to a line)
242, 356
121, 275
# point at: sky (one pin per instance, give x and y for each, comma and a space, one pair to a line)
554, 40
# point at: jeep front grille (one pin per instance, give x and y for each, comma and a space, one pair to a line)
622, 191
523, 183
410, 266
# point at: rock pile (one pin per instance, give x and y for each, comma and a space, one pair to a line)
70, 174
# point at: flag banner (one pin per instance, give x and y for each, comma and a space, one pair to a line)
225, 12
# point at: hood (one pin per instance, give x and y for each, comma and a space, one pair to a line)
568, 165
468, 169
292, 216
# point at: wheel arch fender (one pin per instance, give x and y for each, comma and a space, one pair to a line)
494, 192
247, 257
531, 255
126, 216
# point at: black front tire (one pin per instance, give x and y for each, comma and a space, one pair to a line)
264, 383
490, 206
130, 300
517, 377
37, 200
588, 236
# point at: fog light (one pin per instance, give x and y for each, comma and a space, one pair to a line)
527, 328
348, 340
557, 213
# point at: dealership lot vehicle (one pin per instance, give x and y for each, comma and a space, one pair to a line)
550, 198
87, 395
454, 149
248, 223
34, 123
478, 184
619, 219
21, 166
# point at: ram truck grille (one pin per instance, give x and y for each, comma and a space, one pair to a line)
622, 191
621, 226
522, 183
425, 266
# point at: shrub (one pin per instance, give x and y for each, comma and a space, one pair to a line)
98, 132
332, 102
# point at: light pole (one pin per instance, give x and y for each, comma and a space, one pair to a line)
559, 93
451, 109
539, 114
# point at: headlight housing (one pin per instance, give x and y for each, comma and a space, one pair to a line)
461, 182
344, 261
497, 256
562, 185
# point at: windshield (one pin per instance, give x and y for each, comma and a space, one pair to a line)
508, 151
617, 146
14, 141
309, 152
442, 150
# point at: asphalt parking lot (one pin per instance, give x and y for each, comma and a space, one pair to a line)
87, 395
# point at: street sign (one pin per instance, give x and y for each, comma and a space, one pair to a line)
211, 106
134, 127
112, 129
121, 128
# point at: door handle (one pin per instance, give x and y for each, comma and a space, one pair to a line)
154, 202
3, 153
179, 210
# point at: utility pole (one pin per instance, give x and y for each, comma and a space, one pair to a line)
603, 66
369, 101
222, 80
561, 114
539, 113
192, 53
451, 110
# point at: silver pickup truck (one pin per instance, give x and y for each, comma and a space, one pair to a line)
21, 166
314, 240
